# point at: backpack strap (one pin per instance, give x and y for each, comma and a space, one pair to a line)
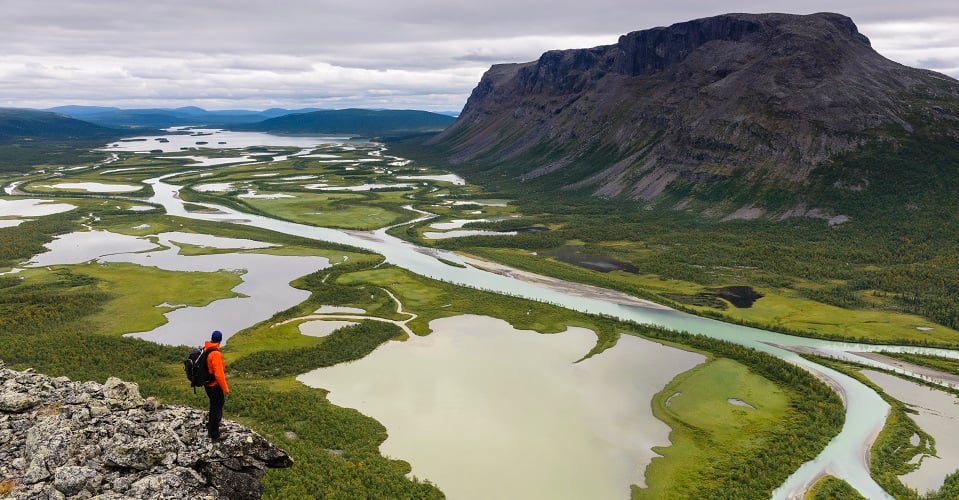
198, 358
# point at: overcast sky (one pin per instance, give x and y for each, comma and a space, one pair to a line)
400, 54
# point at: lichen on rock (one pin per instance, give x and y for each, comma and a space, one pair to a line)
66, 439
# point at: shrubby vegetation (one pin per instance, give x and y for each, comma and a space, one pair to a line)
895, 255
948, 365
45, 324
24, 156
22, 242
50, 326
755, 468
362, 210
831, 488
348, 343
336, 449
893, 452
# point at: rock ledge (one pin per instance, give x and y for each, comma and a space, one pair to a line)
66, 439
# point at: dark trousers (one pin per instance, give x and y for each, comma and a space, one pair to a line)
217, 399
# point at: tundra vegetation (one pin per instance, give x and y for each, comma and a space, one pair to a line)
831, 488
69, 319
884, 276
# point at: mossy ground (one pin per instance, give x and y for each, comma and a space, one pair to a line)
707, 428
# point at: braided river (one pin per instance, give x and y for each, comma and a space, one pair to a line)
846, 455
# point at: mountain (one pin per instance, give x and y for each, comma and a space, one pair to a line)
762, 104
365, 122
163, 117
24, 124
80, 112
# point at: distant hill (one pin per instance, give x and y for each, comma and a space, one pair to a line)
30, 138
738, 112
361, 122
25, 124
366, 122
163, 117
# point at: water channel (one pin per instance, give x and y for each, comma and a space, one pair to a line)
846, 456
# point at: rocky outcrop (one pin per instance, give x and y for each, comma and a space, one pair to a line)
66, 439
759, 99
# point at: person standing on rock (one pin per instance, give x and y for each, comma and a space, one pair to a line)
218, 388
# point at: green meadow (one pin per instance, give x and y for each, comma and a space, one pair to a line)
708, 428
339, 210
138, 292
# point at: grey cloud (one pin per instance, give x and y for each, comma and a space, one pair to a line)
936, 62
303, 52
273, 64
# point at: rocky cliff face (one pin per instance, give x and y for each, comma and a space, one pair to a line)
760, 98
64, 439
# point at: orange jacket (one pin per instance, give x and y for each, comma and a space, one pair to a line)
214, 362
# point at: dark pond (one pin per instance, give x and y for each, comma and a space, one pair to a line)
742, 297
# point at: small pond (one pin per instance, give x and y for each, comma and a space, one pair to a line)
265, 289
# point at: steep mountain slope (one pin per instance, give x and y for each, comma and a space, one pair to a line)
733, 103
356, 121
20, 124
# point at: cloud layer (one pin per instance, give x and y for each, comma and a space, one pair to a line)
422, 54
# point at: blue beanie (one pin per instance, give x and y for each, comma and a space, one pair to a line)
217, 336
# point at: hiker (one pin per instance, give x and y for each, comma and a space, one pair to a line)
217, 389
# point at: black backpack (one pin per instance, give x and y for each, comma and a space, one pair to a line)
196, 368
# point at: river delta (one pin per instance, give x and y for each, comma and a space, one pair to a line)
475, 387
